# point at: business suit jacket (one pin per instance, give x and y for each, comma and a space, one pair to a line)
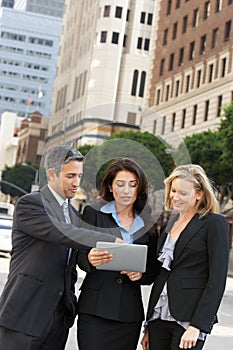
108, 294
36, 281
198, 273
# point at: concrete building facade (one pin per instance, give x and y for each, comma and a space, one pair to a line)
102, 69
32, 138
46, 7
29, 44
191, 72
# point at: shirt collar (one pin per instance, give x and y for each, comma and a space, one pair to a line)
57, 196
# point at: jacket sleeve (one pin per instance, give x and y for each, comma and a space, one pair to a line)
152, 266
30, 214
89, 217
218, 250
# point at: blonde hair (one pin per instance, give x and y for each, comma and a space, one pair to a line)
195, 174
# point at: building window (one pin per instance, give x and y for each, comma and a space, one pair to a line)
219, 106
194, 114
118, 12
103, 37
177, 88
150, 19
127, 15
227, 32
163, 125
165, 35
115, 38
134, 83
158, 97
139, 44
143, 17
198, 78
206, 10
107, 11
202, 44
177, 4
218, 5
207, 104
183, 118
214, 38
162, 64
211, 70
185, 23
187, 83
142, 84
167, 92
124, 40
171, 62
154, 127
195, 18
224, 64
181, 57
169, 6
173, 122
191, 50
146, 44
174, 32
131, 118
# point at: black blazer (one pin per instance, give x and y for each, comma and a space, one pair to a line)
108, 294
37, 281
198, 273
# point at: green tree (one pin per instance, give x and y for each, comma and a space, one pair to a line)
213, 150
19, 175
146, 149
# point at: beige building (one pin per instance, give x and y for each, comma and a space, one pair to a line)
102, 69
191, 72
31, 139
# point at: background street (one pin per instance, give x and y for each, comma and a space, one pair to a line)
221, 337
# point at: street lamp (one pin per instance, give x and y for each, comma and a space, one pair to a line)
35, 186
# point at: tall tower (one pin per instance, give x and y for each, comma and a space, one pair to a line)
192, 67
102, 68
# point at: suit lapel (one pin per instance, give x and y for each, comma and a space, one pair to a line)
187, 234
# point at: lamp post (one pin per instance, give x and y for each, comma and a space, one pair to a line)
35, 186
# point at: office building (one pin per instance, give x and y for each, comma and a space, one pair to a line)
46, 7
7, 3
29, 44
102, 69
191, 68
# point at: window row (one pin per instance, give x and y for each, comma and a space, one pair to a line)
188, 117
80, 86
61, 99
217, 6
11, 49
145, 18
197, 78
143, 43
183, 56
226, 34
31, 40
138, 83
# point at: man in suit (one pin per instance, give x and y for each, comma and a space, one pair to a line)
38, 304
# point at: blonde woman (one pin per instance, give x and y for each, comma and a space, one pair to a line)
193, 253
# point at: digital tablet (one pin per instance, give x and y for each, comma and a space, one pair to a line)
126, 257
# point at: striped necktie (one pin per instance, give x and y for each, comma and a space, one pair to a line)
65, 209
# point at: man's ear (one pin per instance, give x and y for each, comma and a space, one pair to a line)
51, 174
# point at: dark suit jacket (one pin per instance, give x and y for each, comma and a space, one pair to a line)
36, 281
198, 273
109, 294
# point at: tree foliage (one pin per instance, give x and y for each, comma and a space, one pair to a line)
213, 150
146, 149
20, 176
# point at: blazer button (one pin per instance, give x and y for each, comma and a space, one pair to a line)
119, 281
60, 293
